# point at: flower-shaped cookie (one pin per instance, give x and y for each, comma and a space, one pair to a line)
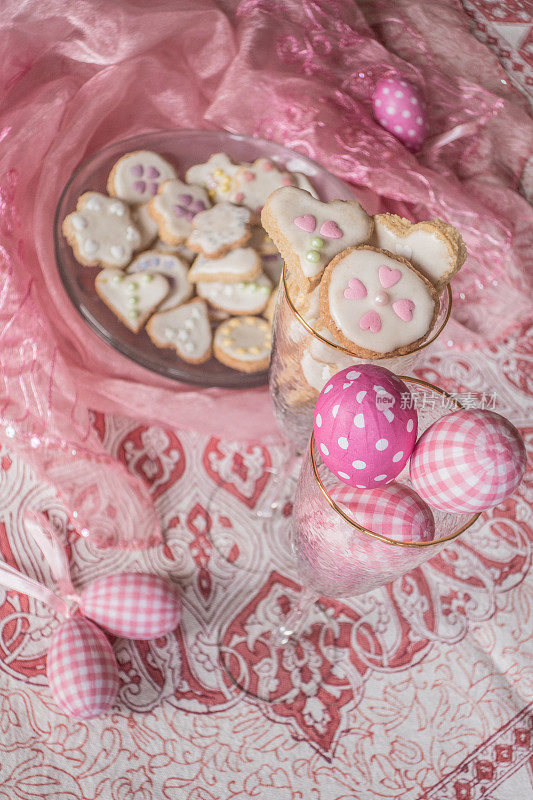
375, 304
174, 208
220, 229
253, 183
216, 175
101, 232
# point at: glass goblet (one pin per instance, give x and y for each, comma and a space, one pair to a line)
335, 557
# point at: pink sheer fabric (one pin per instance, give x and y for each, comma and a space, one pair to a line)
78, 75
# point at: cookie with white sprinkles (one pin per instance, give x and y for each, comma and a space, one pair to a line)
186, 329
101, 231
243, 343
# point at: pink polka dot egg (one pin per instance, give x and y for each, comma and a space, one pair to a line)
365, 425
399, 108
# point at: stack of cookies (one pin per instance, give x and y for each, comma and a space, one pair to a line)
186, 260
369, 286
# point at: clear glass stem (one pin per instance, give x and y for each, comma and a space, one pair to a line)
278, 482
295, 620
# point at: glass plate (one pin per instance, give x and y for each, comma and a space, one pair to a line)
182, 148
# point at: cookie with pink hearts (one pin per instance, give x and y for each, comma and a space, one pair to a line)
434, 248
253, 183
137, 176
376, 304
309, 233
174, 208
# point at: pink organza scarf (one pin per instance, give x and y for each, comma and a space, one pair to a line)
78, 75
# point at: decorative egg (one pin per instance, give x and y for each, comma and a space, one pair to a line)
395, 511
365, 425
468, 461
133, 605
82, 669
399, 108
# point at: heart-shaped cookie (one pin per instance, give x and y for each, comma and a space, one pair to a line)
376, 305
309, 233
186, 329
131, 297
435, 248
175, 270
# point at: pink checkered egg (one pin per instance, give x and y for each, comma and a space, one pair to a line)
399, 108
395, 511
133, 605
365, 425
468, 461
82, 669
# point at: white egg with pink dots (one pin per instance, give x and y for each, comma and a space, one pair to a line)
365, 425
399, 108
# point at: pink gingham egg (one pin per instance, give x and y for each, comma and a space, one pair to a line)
395, 511
133, 605
82, 669
399, 108
468, 461
365, 425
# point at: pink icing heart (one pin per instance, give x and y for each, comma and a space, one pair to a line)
137, 170
140, 186
388, 277
186, 199
268, 166
306, 223
355, 289
249, 176
331, 230
404, 309
153, 172
370, 320
239, 197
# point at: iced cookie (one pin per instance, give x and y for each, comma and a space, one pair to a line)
250, 297
145, 224
243, 343
101, 232
241, 264
216, 176
137, 176
186, 329
309, 233
435, 248
175, 270
376, 305
180, 250
174, 208
303, 182
131, 298
253, 183
220, 229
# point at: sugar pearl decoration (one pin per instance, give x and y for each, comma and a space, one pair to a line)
365, 426
399, 108
468, 461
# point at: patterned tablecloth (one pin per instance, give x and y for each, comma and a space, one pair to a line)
433, 695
